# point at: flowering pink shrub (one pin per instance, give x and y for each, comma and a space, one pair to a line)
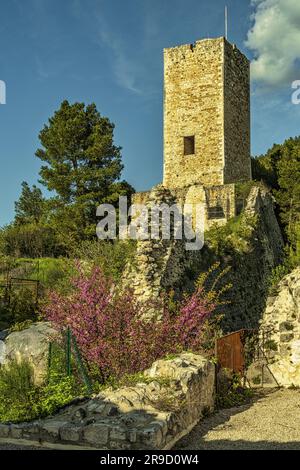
110, 331
193, 312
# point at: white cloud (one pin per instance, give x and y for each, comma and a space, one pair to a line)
125, 70
275, 40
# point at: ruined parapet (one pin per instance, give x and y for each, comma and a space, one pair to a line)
261, 203
253, 250
220, 204
158, 263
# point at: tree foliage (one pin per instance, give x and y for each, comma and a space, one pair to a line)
30, 240
30, 206
280, 169
82, 165
111, 331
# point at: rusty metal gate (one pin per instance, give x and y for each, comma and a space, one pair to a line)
237, 351
230, 351
15, 283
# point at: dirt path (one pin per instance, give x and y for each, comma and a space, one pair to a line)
271, 421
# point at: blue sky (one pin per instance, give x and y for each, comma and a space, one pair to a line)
110, 52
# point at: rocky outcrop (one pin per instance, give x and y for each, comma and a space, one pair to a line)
252, 263
260, 203
164, 265
154, 414
280, 327
30, 344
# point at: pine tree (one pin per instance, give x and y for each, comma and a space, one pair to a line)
82, 166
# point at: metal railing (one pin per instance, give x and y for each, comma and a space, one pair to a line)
72, 358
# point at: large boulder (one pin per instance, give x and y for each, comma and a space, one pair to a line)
280, 328
31, 344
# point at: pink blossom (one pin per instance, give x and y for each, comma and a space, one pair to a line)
109, 328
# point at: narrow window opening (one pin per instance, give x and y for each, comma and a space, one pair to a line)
215, 212
189, 145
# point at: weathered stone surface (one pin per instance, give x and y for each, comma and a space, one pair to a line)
16, 431
158, 263
79, 414
281, 328
52, 428
31, 344
118, 433
2, 351
33, 430
206, 95
133, 417
4, 430
96, 434
164, 265
70, 433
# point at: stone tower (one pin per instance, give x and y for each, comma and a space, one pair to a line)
206, 115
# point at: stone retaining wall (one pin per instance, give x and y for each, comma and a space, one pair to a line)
281, 327
151, 415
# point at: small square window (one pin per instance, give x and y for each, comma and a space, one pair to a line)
189, 145
215, 212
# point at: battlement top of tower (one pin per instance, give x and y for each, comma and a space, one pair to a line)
202, 44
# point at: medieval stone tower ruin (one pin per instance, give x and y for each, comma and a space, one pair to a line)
206, 114
206, 126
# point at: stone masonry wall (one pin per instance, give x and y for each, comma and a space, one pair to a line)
252, 257
210, 196
154, 414
281, 328
222, 197
236, 115
158, 264
193, 105
163, 265
206, 95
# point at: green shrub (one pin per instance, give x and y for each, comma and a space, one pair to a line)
53, 396
17, 392
53, 273
277, 275
231, 393
291, 261
111, 257
242, 190
22, 307
232, 237
22, 400
256, 380
20, 326
31, 240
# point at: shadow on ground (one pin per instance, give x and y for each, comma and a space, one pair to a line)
205, 436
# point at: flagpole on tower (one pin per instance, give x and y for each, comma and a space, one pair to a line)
226, 22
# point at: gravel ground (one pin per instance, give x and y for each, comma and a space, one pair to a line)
271, 421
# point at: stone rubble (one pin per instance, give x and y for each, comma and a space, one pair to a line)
147, 416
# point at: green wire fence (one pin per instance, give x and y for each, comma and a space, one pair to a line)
71, 350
